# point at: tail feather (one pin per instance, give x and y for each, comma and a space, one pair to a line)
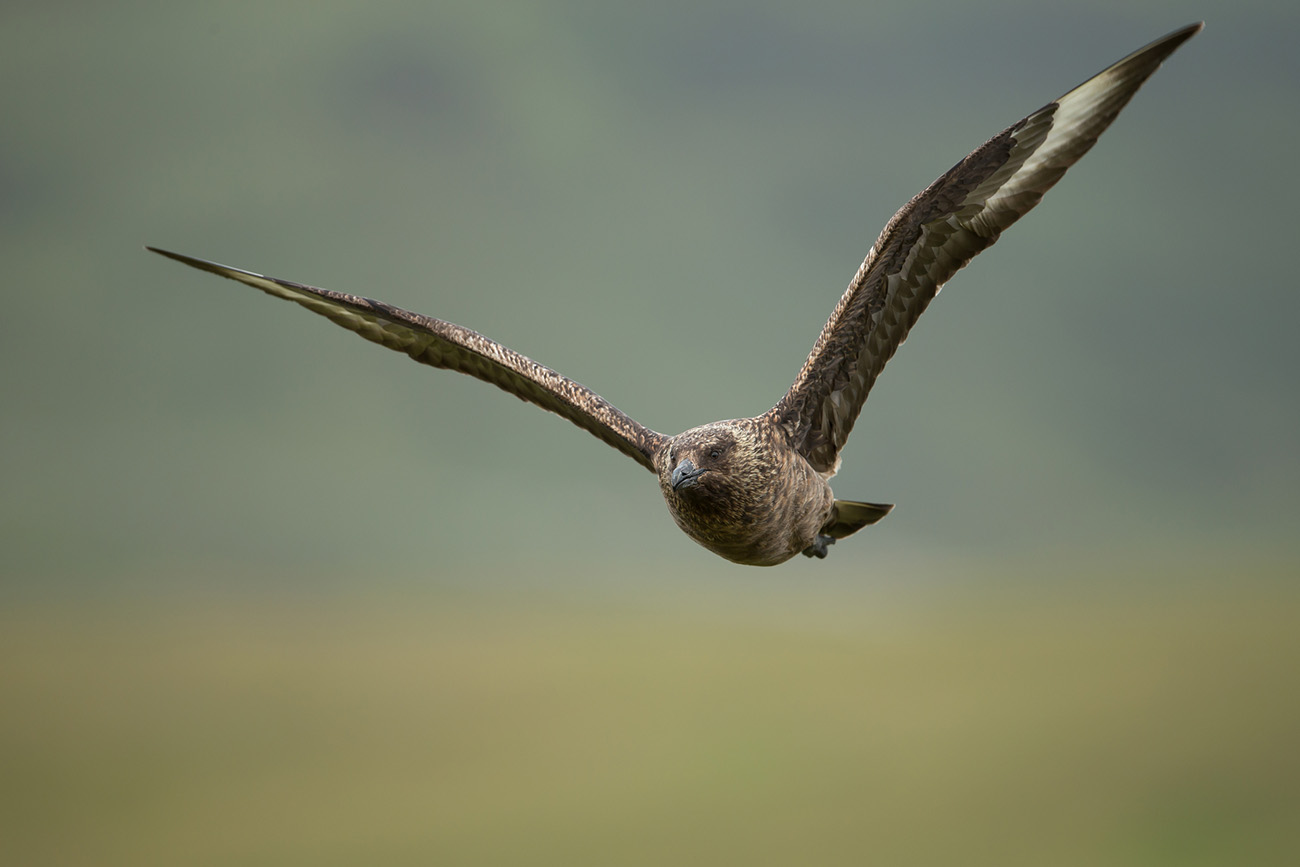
848, 517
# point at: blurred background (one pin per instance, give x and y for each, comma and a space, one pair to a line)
272, 595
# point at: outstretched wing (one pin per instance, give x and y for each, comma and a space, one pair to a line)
446, 345
937, 233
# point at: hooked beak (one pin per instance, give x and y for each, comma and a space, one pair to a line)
685, 475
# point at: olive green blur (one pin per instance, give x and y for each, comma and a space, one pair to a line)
270, 594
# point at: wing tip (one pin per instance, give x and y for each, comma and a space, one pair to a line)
1181, 35
1169, 43
217, 268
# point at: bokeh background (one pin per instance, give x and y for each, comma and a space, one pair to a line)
271, 595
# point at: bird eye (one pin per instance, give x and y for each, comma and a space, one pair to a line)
715, 454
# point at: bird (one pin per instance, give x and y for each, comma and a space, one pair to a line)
756, 490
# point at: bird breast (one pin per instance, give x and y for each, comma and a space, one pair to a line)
760, 506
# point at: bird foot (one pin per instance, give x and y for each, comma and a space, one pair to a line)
819, 547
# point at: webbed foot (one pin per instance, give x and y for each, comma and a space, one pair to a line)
819, 547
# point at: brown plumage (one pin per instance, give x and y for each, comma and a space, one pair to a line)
755, 490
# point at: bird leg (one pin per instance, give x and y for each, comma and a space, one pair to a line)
819, 547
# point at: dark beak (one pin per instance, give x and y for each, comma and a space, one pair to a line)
684, 475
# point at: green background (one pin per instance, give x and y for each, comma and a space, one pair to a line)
273, 595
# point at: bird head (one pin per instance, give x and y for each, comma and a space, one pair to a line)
714, 461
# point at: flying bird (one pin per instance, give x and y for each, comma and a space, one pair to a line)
755, 490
